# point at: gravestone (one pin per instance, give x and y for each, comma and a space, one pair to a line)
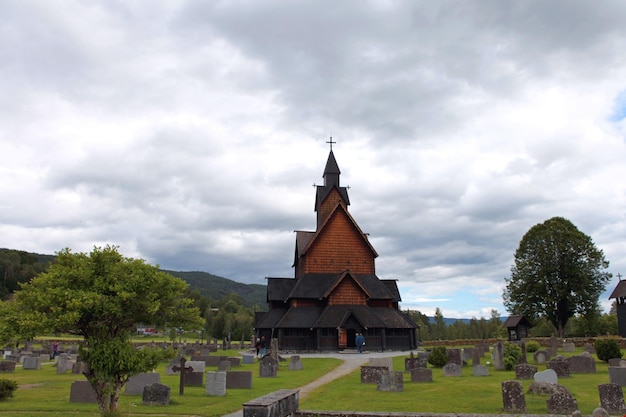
455, 356
597, 412
248, 359
452, 369
423, 355
560, 365
184, 372
82, 392
32, 363
238, 379
175, 363
224, 366
523, 358
513, 397
617, 375
612, 398
295, 364
541, 357
7, 367
216, 384
391, 381
268, 367
202, 358
561, 402
136, 384
498, 356
198, 366
569, 347
371, 374
525, 371
215, 360
617, 362
274, 349
590, 348
421, 375
468, 354
79, 367
554, 344
410, 363
582, 364
481, 370
549, 376
156, 394
63, 363
476, 356
234, 361
386, 362
194, 379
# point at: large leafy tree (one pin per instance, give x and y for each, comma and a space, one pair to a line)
101, 296
558, 272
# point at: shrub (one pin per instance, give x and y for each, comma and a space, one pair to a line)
532, 346
512, 353
607, 349
7, 387
438, 356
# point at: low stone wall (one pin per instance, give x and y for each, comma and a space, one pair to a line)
317, 413
281, 403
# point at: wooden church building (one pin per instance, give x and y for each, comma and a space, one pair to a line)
335, 292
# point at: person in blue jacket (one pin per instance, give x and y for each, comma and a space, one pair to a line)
359, 340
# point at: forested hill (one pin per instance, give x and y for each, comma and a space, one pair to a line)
20, 266
214, 287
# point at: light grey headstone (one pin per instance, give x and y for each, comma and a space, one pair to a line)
197, 366
452, 369
549, 375
248, 359
216, 384
295, 364
32, 363
498, 356
481, 370
599, 412
391, 381
136, 384
386, 362
541, 356
569, 347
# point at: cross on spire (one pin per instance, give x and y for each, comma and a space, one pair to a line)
331, 143
619, 276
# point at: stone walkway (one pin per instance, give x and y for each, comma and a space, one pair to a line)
351, 361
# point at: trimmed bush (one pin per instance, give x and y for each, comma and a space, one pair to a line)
607, 349
532, 346
7, 386
512, 353
438, 356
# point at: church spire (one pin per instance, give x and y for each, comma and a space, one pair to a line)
331, 182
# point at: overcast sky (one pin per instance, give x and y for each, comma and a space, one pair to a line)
190, 133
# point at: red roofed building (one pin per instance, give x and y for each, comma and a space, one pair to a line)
335, 292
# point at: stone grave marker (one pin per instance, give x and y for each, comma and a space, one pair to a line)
498, 356
169, 369
513, 397
541, 357
597, 412
569, 347
522, 358
184, 371
32, 363
617, 375
468, 354
194, 379
82, 392
201, 358
455, 356
617, 362
549, 376
248, 359
391, 381
238, 379
136, 384
411, 363
476, 356
386, 362
295, 364
371, 374
561, 402
560, 365
234, 361
224, 366
268, 367
79, 367
452, 369
7, 367
198, 366
216, 384
582, 364
481, 370
156, 394
421, 375
423, 355
7, 353
612, 398
64, 363
215, 360
525, 371
590, 348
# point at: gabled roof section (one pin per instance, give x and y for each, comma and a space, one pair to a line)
302, 240
515, 320
300, 317
272, 318
619, 291
331, 180
339, 209
342, 277
278, 289
392, 287
313, 286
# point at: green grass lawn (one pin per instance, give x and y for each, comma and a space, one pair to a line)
44, 393
465, 394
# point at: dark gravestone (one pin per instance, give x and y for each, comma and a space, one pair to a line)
476, 354
560, 365
239, 379
203, 358
468, 354
216, 384
371, 374
455, 356
268, 367
525, 371
224, 366
523, 358
612, 398
481, 370
421, 375
541, 356
136, 384
498, 356
410, 363
7, 367
184, 372
513, 397
590, 348
561, 402
82, 392
617, 375
234, 361
617, 362
194, 379
391, 381
582, 364
215, 360
452, 369
248, 359
423, 355
156, 394
79, 367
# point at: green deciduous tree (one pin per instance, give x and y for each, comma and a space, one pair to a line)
101, 296
558, 272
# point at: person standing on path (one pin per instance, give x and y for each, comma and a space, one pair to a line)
359, 341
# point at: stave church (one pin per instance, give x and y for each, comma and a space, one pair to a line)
335, 292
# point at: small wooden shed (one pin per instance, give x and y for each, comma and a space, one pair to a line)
517, 327
619, 295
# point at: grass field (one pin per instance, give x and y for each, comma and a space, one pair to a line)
44, 393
